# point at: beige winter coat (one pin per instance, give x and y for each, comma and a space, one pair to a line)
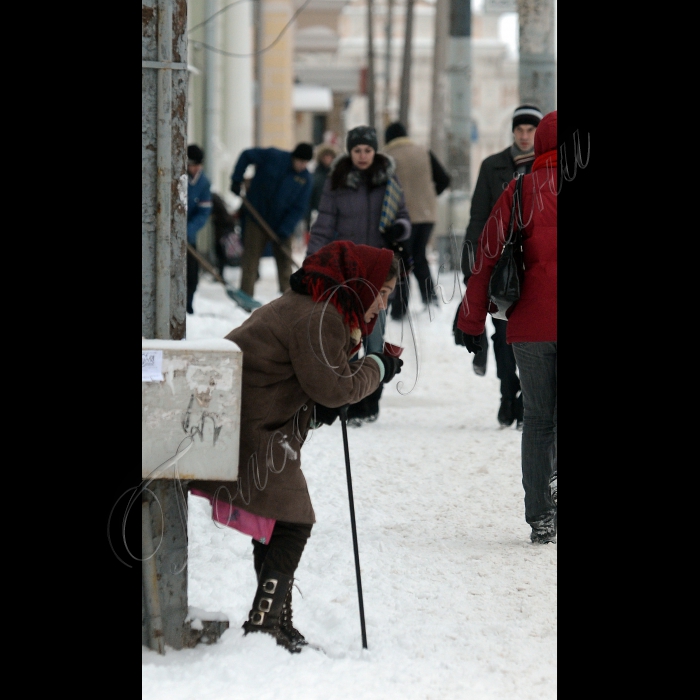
415, 172
295, 353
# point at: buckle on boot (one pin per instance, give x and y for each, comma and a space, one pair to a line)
270, 585
265, 604
257, 618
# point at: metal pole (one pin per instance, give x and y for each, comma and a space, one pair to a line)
343, 419
439, 96
164, 162
406, 70
458, 139
536, 62
258, 59
212, 115
387, 66
460, 82
150, 582
370, 64
210, 96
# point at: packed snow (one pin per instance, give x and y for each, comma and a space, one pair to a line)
458, 603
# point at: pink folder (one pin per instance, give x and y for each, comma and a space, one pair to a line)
256, 526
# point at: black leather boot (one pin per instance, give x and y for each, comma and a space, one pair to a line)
266, 613
506, 413
286, 623
258, 558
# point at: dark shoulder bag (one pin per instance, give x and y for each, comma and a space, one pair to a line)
507, 275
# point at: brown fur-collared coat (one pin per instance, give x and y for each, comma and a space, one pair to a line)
295, 353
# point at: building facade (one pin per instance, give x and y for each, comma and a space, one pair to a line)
276, 72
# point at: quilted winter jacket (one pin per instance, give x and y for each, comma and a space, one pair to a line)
295, 353
279, 193
534, 316
352, 211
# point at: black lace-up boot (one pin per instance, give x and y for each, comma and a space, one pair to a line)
286, 623
266, 613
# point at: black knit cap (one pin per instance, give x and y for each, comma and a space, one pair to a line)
303, 151
361, 135
527, 114
195, 154
394, 131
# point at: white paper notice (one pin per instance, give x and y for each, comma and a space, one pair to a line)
151, 365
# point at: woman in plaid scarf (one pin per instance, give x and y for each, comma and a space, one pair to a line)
362, 201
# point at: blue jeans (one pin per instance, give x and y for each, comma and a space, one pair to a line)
375, 340
373, 343
537, 365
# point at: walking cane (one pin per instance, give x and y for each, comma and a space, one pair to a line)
264, 226
343, 419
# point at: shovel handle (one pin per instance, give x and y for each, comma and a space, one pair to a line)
204, 263
267, 230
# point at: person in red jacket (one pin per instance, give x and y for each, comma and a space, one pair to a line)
532, 322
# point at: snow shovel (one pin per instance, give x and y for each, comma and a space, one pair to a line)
246, 302
344, 421
267, 230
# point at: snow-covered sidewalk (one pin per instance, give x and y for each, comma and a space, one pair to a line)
458, 603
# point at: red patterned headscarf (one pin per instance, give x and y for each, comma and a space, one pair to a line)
348, 276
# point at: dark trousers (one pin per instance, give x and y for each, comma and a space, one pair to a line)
420, 234
221, 261
506, 367
537, 363
254, 242
192, 280
373, 343
285, 548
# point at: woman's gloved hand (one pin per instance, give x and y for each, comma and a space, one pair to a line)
400, 248
394, 232
392, 365
324, 415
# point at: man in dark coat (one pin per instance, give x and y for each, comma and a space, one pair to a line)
279, 191
495, 173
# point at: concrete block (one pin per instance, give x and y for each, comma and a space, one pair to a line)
191, 410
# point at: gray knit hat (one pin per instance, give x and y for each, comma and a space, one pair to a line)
527, 114
361, 135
